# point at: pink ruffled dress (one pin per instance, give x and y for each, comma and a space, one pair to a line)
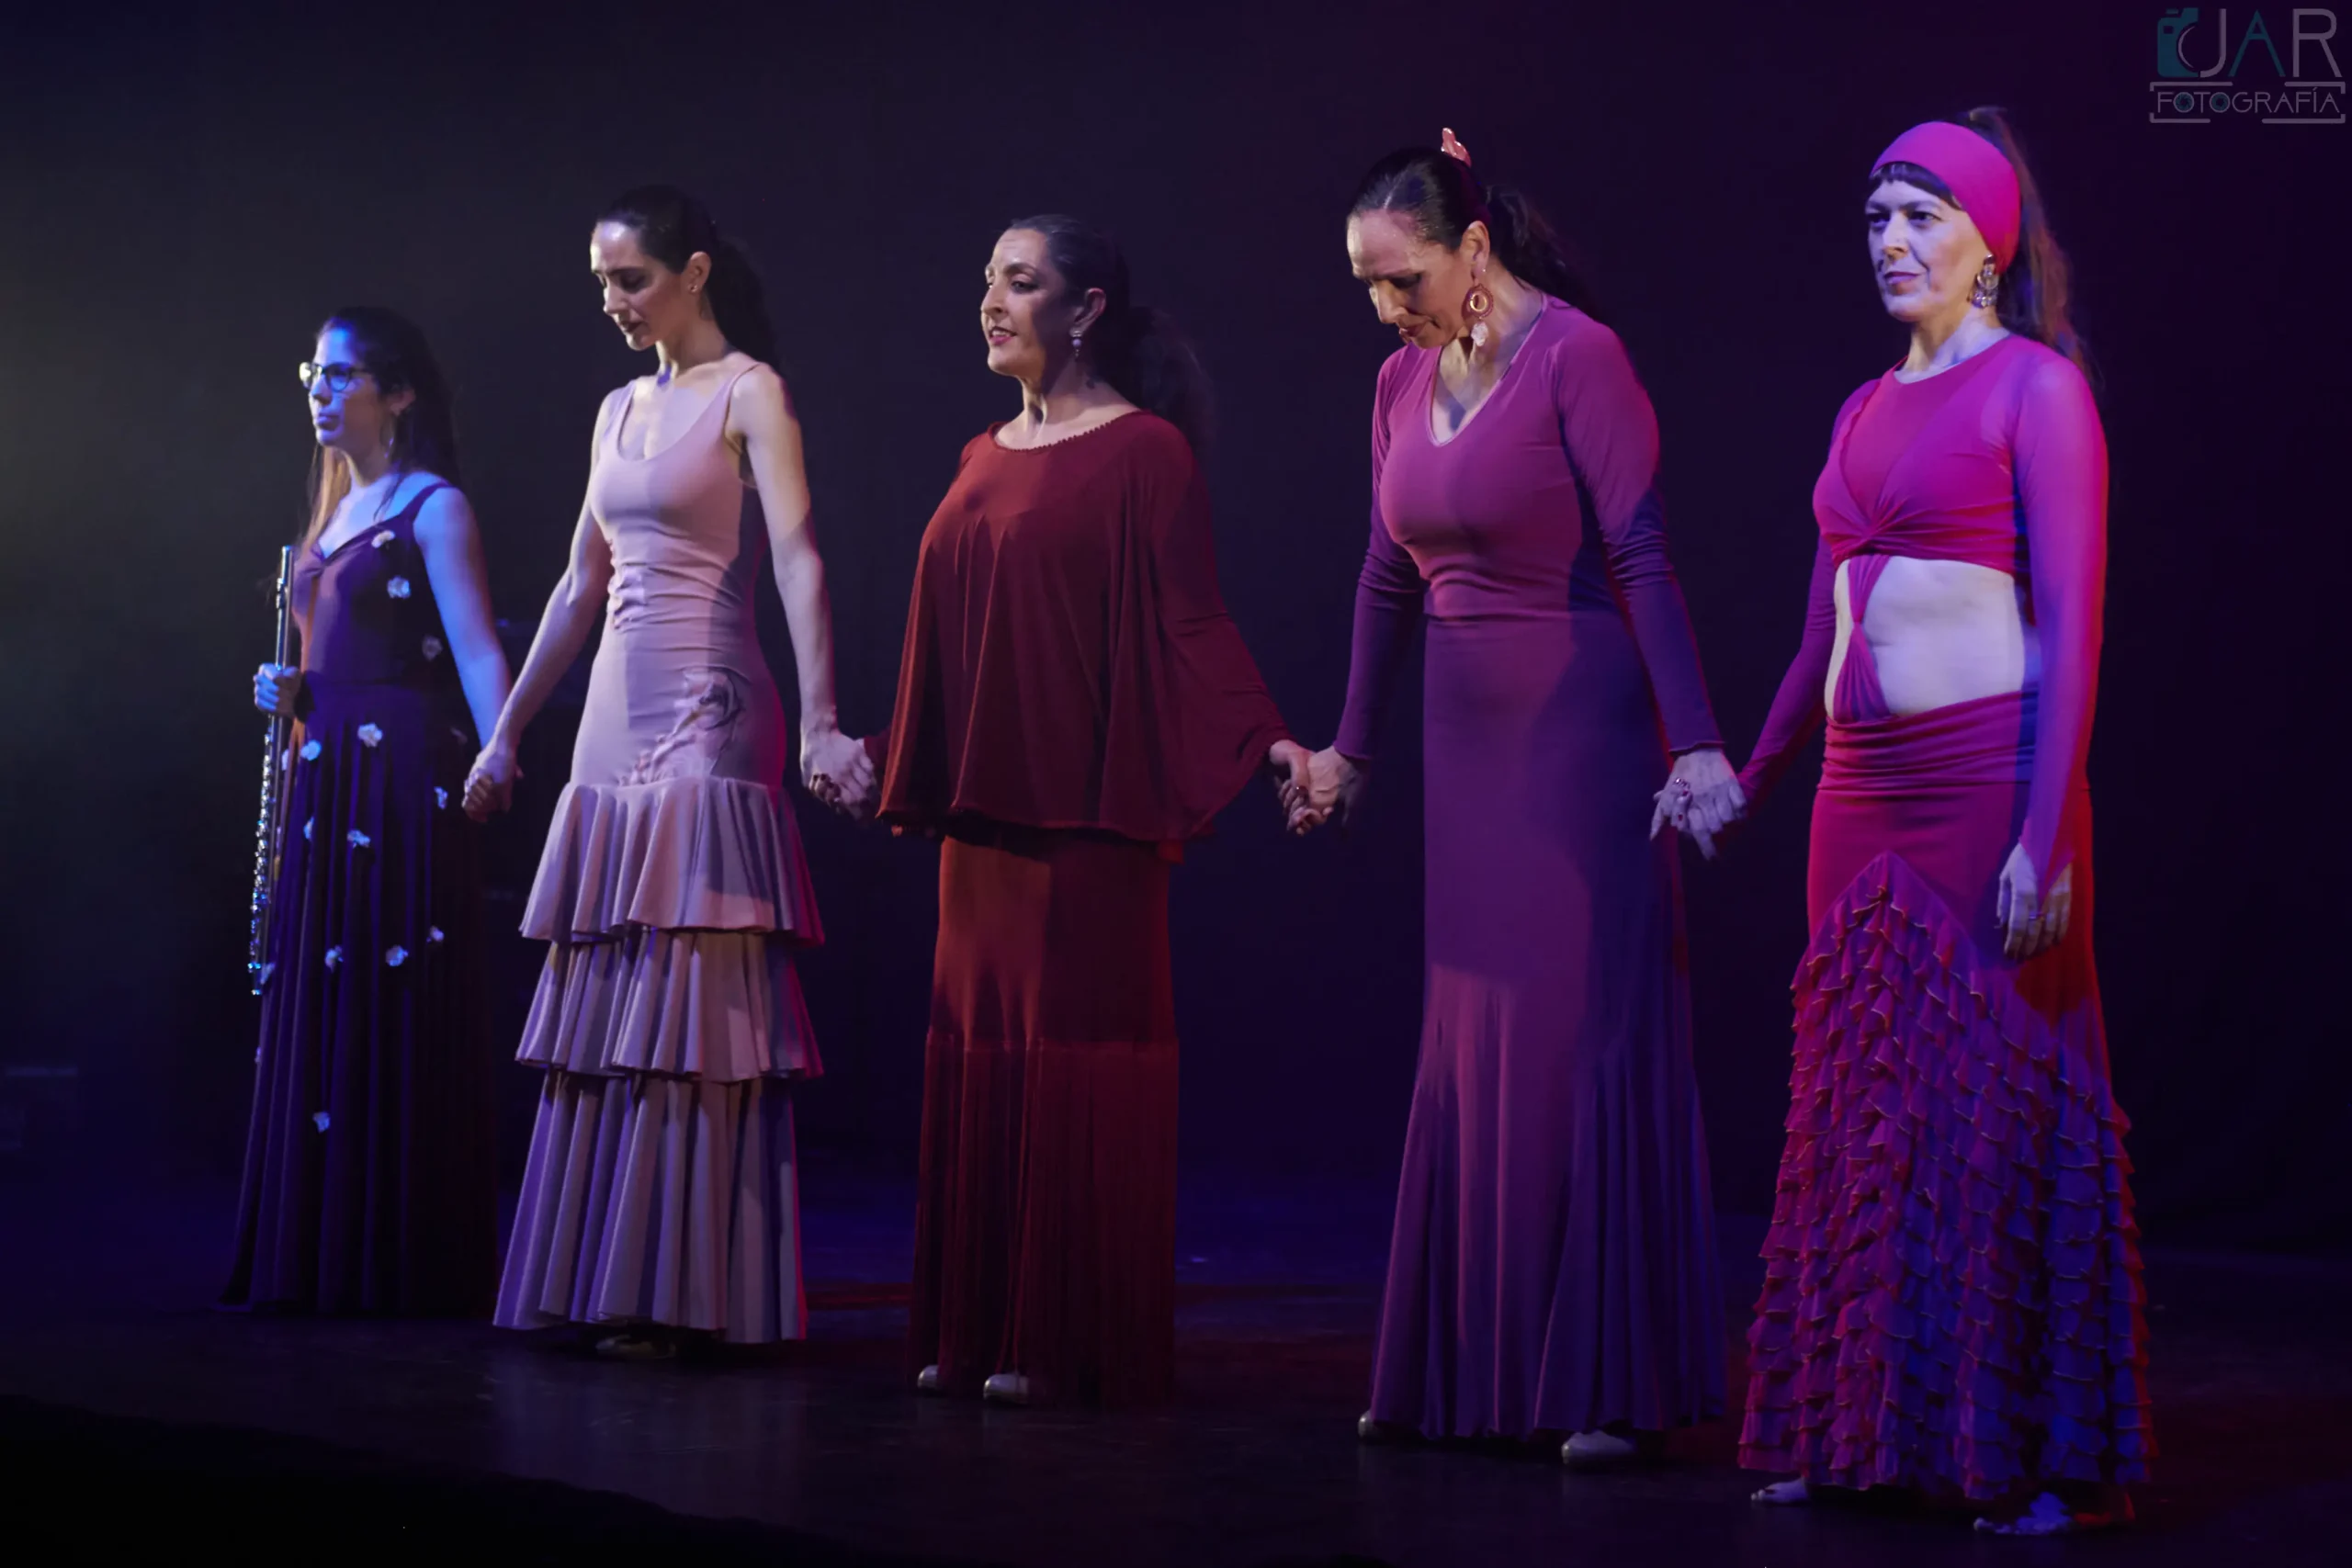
1952, 1299
661, 1185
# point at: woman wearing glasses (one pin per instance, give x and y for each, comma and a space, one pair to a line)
368, 1183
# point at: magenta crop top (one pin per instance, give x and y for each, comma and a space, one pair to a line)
1999, 461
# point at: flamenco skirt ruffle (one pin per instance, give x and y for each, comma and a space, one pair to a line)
1953, 1297
662, 1184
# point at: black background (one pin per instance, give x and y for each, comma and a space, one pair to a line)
186, 196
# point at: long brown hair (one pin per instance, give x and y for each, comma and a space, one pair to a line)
392, 349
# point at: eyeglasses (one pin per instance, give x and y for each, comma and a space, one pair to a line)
338, 378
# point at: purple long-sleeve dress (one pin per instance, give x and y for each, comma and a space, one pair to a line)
1553, 1267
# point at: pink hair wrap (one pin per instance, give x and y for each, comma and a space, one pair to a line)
1982, 182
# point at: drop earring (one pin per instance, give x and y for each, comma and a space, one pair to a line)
1476, 306
1988, 285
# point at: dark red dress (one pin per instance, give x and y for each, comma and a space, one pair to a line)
369, 1184
1074, 703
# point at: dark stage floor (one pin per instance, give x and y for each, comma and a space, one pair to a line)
133, 1420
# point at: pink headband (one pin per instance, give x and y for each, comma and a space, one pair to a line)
1982, 182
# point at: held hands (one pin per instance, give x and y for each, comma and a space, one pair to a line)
489, 785
1329, 785
1702, 798
1289, 762
277, 688
2033, 923
837, 770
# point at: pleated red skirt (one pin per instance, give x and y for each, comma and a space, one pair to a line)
1045, 1230
1952, 1298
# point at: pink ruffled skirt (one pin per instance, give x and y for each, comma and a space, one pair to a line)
1952, 1299
662, 1186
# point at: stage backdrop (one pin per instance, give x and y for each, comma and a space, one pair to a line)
186, 196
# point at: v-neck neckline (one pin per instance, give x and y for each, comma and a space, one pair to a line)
381, 522
621, 425
1437, 367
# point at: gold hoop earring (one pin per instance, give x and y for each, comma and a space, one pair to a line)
1475, 307
1988, 285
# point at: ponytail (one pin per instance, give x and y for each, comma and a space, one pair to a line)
1135, 348
1442, 196
1527, 245
672, 226
2033, 298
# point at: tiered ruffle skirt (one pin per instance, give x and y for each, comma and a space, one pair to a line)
662, 1184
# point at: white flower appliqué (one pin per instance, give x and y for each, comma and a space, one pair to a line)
360, 840
286, 758
309, 751
432, 647
431, 934
395, 956
441, 797
321, 1121
334, 956
396, 588
370, 737
380, 540
306, 830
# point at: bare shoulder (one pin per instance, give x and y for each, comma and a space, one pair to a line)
758, 403
443, 515
608, 413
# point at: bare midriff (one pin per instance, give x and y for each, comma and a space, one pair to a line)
1940, 631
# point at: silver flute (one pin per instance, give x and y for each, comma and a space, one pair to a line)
273, 782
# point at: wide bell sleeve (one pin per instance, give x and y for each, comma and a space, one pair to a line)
1189, 718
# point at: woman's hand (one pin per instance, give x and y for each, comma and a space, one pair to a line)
1702, 798
277, 688
1290, 762
2031, 922
1332, 788
836, 770
489, 783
